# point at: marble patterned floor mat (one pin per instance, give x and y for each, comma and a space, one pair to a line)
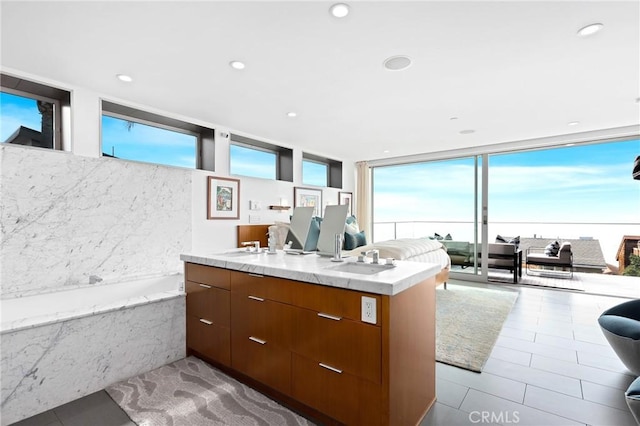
191, 392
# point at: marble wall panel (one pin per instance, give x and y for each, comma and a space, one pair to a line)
69, 220
44, 367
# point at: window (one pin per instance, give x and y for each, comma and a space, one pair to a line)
314, 173
248, 161
132, 134
31, 113
249, 157
320, 171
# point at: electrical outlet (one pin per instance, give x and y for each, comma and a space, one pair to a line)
368, 311
254, 218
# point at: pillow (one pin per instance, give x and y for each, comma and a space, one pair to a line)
351, 226
552, 249
507, 240
448, 237
314, 233
353, 241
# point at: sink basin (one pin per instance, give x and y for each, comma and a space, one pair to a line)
361, 268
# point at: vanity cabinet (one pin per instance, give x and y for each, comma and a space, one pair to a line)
261, 331
208, 312
309, 344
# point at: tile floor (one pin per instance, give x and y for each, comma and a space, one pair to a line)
550, 366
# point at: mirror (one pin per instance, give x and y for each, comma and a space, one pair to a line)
299, 229
333, 223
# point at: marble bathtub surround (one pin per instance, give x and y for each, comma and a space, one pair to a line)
47, 366
316, 269
70, 220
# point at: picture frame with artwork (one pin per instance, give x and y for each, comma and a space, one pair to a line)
308, 197
346, 198
223, 198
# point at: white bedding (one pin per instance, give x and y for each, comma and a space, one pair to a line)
413, 249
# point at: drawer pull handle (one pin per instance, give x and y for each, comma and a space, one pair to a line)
204, 321
256, 298
256, 275
205, 286
327, 316
255, 339
328, 367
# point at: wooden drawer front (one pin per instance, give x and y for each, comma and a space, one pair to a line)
208, 302
262, 360
266, 287
334, 301
264, 319
215, 277
210, 340
350, 346
344, 397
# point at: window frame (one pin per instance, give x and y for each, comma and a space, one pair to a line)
334, 169
284, 156
18, 86
203, 135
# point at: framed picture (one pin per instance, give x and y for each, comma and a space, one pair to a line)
346, 198
308, 197
223, 198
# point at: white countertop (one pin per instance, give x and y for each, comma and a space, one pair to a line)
315, 269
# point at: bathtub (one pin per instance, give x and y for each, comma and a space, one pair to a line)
60, 346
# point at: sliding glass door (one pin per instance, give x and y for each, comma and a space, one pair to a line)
582, 194
441, 200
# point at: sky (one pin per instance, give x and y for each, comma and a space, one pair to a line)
588, 183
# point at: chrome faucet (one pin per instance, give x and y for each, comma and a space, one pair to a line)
256, 245
364, 254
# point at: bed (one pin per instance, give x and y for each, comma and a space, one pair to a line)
411, 249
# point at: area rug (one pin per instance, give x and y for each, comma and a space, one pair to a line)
468, 322
189, 392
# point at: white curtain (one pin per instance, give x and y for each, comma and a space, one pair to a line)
363, 198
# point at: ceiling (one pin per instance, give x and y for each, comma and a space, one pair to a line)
509, 71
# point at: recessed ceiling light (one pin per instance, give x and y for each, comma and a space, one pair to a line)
339, 10
386, 151
467, 131
397, 63
292, 114
236, 65
573, 123
590, 29
124, 77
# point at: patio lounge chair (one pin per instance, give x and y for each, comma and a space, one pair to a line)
536, 256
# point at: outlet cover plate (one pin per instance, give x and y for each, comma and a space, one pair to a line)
368, 311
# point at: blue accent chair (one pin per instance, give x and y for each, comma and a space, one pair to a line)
633, 399
621, 326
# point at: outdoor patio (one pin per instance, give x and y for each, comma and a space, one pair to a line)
600, 284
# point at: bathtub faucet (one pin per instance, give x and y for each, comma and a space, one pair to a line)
256, 245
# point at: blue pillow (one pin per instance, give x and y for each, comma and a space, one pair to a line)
314, 233
353, 241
